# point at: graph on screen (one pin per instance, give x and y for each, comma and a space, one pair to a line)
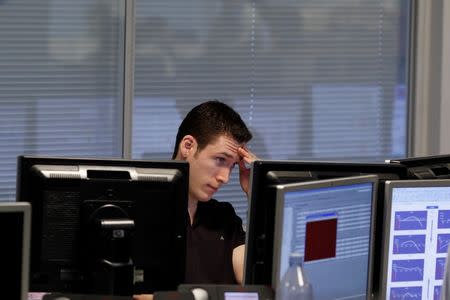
442, 242
410, 220
437, 292
440, 268
407, 270
444, 219
406, 293
409, 244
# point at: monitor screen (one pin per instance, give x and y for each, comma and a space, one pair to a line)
265, 174
15, 248
105, 226
417, 234
330, 223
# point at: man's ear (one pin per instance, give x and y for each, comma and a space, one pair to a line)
188, 145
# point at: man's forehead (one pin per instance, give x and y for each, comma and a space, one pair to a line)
226, 145
225, 139
231, 141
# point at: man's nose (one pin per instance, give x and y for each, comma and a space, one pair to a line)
224, 175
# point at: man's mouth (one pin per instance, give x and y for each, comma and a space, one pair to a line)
213, 189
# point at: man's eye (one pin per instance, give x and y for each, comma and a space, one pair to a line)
220, 160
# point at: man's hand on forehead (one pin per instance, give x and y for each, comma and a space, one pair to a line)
246, 157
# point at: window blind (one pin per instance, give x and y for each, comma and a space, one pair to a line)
60, 81
317, 79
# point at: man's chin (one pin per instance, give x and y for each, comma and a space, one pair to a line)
205, 199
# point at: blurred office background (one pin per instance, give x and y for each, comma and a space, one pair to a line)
353, 80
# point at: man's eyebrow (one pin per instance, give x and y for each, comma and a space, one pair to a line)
230, 156
227, 154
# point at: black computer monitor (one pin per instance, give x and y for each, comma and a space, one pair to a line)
266, 174
105, 226
330, 224
426, 167
15, 218
416, 238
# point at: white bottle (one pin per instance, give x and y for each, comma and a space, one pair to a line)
294, 284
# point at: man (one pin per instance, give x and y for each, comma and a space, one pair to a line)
212, 138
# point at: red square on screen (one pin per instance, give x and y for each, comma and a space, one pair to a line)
320, 241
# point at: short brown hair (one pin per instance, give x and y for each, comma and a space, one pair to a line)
209, 120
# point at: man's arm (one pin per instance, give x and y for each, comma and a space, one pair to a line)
247, 157
238, 263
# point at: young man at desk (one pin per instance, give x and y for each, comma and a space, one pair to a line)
212, 138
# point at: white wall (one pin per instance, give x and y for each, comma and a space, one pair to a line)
430, 113
445, 90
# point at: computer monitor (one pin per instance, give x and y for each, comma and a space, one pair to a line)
105, 226
417, 234
330, 223
266, 174
426, 167
15, 225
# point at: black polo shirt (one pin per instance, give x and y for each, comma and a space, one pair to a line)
211, 239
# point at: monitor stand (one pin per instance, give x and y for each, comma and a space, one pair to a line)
109, 242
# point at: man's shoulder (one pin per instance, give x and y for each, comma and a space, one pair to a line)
221, 214
215, 207
219, 209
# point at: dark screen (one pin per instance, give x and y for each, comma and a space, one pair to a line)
11, 232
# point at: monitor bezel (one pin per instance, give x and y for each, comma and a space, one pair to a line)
25, 209
282, 189
389, 186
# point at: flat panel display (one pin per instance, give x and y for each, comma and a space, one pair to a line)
416, 239
331, 224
